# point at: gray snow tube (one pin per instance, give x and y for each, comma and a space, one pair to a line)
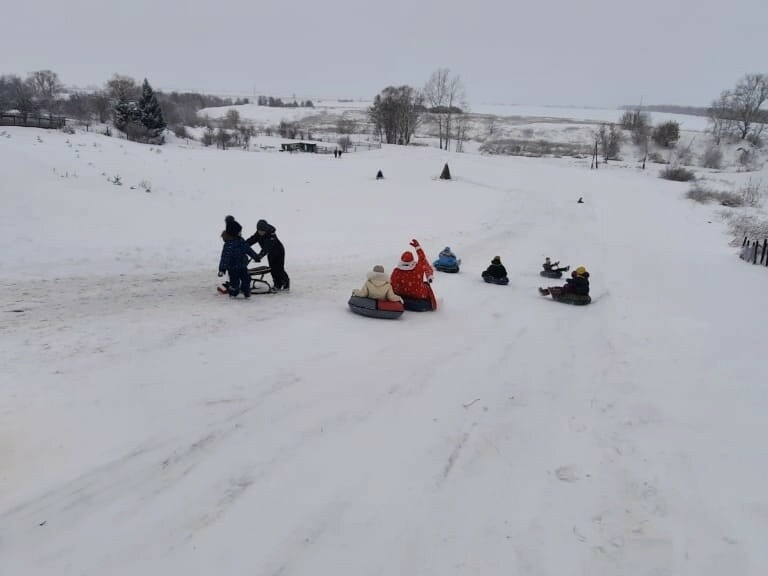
373, 308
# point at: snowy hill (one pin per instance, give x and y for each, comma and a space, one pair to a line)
150, 426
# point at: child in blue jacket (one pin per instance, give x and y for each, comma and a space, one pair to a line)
447, 260
234, 260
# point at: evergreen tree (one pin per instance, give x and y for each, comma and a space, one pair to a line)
150, 113
126, 112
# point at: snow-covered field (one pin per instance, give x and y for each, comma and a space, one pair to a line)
150, 426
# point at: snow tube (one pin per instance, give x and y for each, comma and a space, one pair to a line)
445, 264
451, 269
417, 304
551, 274
575, 299
500, 281
375, 308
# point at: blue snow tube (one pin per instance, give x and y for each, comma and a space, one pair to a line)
444, 264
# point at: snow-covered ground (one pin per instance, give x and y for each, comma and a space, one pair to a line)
150, 426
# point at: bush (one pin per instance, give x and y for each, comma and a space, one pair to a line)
137, 132
755, 139
666, 134
344, 143
610, 141
702, 194
657, 158
677, 173
748, 225
180, 132
747, 160
752, 193
712, 158
638, 123
208, 136
533, 148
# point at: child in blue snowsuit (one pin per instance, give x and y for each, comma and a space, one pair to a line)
235, 262
447, 259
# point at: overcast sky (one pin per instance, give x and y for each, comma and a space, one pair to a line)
564, 52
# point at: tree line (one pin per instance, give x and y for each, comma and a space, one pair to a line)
129, 105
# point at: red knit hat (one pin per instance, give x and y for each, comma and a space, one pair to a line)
406, 257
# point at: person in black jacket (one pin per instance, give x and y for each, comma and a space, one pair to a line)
273, 249
234, 261
496, 269
577, 284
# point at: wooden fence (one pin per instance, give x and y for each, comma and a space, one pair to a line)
32, 120
754, 251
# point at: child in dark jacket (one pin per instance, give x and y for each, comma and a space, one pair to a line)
273, 249
577, 284
496, 269
234, 261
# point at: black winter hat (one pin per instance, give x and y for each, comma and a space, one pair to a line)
233, 227
262, 226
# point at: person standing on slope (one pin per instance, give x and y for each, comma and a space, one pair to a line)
273, 249
412, 279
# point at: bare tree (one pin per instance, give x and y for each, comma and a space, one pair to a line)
738, 111
491, 125
100, 106
435, 94
610, 141
456, 103
747, 98
460, 133
122, 88
445, 97
45, 87
23, 98
232, 119
720, 116
222, 138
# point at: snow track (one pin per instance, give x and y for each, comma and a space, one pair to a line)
149, 425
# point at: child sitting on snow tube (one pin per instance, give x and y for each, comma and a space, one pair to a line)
447, 261
496, 273
574, 291
377, 286
412, 280
376, 298
552, 269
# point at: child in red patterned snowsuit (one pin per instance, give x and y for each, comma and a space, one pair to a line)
411, 279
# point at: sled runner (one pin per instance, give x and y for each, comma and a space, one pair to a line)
259, 284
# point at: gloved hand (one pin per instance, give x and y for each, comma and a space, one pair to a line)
221, 273
415, 243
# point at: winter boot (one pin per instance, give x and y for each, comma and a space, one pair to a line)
543, 291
